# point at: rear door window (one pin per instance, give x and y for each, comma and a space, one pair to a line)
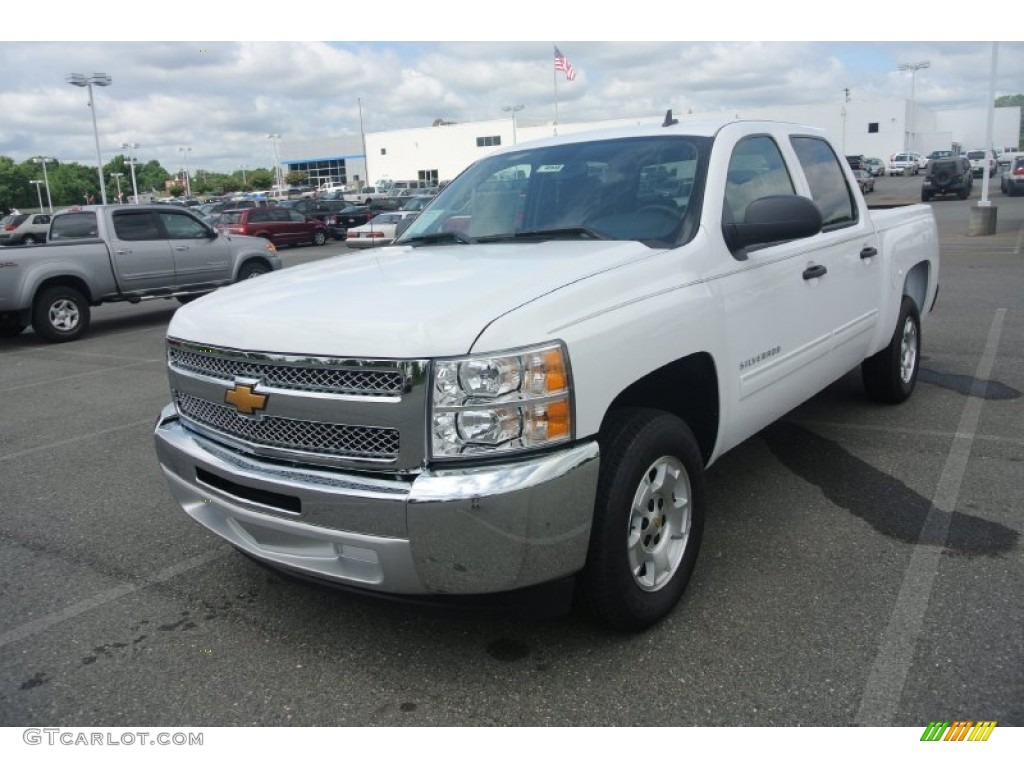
136, 225
827, 181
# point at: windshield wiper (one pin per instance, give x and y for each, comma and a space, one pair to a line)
437, 238
548, 234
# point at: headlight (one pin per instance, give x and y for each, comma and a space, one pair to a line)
502, 403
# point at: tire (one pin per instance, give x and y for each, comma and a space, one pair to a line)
644, 538
319, 237
962, 193
926, 196
252, 269
890, 375
60, 313
29, 240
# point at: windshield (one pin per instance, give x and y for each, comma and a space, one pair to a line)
976, 155
645, 189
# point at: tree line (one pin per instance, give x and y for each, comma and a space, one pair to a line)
72, 183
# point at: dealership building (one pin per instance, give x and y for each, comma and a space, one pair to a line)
440, 152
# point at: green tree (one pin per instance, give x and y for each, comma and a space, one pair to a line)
261, 178
1014, 100
151, 177
296, 178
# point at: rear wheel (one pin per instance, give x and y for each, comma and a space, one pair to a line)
926, 196
29, 240
648, 518
60, 313
319, 237
889, 376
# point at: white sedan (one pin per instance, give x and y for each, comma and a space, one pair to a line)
380, 230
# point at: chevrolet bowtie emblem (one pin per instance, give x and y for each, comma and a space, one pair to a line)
244, 399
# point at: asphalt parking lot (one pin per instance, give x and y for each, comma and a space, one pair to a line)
861, 565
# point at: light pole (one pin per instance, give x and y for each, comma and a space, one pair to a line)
184, 163
242, 169
912, 69
362, 136
117, 178
513, 109
46, 179
131, 163
88, 81
39, 192
277, 163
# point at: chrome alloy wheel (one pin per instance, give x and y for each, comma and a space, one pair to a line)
64, 315
908, 350
659, 524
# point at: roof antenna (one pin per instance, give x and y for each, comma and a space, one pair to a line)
669, 120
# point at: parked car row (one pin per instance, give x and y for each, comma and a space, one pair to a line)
24, 228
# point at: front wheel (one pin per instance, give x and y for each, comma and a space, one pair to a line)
889, 375
319, 237
648, 518
60, 313
252, 269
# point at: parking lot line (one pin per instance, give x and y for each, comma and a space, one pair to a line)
35, 384
898, 642
56, 617
77, 439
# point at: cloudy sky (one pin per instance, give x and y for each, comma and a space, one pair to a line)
222, 98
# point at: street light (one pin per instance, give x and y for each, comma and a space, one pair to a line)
513, 109
912, 69
131, 162
46, 179
88, 81
184, 153
242, 169
117, 178
39, 193
277, 163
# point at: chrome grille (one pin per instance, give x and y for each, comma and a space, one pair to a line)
340, 440
318, 378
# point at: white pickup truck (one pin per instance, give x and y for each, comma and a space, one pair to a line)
529, 385
98, 254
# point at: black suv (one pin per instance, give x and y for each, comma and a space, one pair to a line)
948, 176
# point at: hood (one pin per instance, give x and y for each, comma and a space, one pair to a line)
394, 302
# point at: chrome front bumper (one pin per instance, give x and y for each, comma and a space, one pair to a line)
445, 531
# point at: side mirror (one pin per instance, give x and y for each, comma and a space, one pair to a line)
773, 219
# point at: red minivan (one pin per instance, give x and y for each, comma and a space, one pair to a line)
281, 226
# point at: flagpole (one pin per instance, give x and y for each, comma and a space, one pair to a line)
554, 82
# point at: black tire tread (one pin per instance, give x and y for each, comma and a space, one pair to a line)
608, 586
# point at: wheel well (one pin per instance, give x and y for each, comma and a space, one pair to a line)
68, 280
687, 388
916, 284
254, 260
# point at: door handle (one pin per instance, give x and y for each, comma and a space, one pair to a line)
181, 247
868, 252
815, 270
123, 252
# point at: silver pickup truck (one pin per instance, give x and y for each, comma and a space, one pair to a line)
98, 254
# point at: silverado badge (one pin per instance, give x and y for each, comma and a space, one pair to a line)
246, 401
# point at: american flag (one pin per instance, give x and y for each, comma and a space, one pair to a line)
562, 65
